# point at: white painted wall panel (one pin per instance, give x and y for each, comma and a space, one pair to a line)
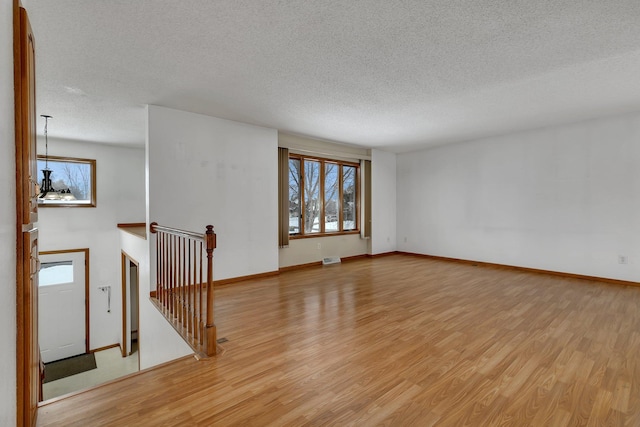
306, 251
564, 199
204, 170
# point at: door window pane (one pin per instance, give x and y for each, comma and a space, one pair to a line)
55, 273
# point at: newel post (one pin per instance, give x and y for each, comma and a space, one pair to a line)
159, 285
210, 326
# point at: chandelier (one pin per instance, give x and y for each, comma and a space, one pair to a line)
47, 191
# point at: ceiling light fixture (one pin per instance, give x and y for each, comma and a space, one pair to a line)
47, 191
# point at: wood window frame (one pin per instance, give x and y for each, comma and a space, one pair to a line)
323, 161
74, 204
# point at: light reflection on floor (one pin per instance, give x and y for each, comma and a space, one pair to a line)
110, 365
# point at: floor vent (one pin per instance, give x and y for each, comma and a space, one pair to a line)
221, 340
331, 260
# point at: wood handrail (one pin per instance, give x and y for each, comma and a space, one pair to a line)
154, 227
183, 294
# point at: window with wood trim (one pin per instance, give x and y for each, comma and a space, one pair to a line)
324, 196
72, 182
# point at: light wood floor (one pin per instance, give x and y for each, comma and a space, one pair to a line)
396, 341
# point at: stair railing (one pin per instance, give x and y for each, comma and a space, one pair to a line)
184, 284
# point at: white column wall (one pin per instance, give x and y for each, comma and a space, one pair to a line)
383, 202
565, 199
120, 199
204, 170
314, 249
7, 221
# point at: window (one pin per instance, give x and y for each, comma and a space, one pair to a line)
323, 196
73, 181
55, 273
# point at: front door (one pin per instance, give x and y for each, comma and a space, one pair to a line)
28, 356
62, 304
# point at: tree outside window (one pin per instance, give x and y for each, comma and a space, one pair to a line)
76, 177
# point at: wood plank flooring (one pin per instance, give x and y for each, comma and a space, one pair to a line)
396, 341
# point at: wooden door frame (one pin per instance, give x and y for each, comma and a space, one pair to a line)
28, 368
87, 346
125, 270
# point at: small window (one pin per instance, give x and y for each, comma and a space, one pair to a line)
71, 182
55, 273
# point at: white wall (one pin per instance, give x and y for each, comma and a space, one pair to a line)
564, 199
7, 222
204, 170
314, 249
383, 202
120, 199
158, 342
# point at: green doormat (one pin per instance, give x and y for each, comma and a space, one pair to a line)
70, 366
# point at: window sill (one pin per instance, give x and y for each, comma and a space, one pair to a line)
311, 236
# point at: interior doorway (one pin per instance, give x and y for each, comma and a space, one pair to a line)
130, 306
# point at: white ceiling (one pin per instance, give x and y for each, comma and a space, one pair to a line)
392, 74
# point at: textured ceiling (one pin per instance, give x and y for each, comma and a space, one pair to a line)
393, 74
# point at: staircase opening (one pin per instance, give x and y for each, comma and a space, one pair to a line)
184, 284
